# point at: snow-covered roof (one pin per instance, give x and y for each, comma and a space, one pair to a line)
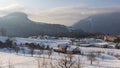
64, 45
73, 47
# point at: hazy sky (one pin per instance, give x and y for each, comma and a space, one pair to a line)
64, 12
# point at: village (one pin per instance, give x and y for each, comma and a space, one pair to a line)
62, 44
104, 47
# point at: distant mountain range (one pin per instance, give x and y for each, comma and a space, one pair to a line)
18, 24
108, 23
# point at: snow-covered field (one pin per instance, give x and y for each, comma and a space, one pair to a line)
26, 61
21, 61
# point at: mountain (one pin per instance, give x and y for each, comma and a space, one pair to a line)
108, 23
18, 24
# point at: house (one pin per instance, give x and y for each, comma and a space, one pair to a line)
110, 38
65, 48
62, 48
59, 48
74, 50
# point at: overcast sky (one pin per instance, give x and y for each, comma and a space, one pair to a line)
65, 12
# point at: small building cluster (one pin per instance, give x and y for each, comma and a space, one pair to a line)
66, 48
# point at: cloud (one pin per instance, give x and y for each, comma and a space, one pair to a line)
4, 10
12, 7
68, 15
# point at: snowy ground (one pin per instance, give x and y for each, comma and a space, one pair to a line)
105, 50
26, 61
21, 61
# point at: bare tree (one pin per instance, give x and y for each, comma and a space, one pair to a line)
10, 65
50, 51
51, 64
23, 50
66, 62
72, 41
117, 41
38, 61
32, 51
41, 51
31, 46
78, 63
98, 61
44, 63
16, 48
0, 63
91, 57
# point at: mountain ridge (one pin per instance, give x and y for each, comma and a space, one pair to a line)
18, 24
107, 23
